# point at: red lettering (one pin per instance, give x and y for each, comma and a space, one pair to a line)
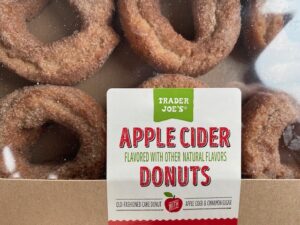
183, 176
182, 137
149, 136
157, 176
195, 170
173, 176
125, 138
201, 137
159, 144
193, 139
224, 137
145, 179
213, 137
170, 176
207, 180
138, 136
170, 137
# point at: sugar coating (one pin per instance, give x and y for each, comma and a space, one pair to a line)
260, 28
173, 81
22, 114
265, 117
63, 62
150, 34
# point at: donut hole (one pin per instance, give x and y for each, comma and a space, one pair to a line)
56, 21
179, 13
57, 144
290, 145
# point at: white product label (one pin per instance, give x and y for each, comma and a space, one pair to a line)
173, 155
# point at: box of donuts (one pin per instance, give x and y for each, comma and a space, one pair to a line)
158, 112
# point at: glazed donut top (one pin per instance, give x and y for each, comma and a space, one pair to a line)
217, 27
63, 62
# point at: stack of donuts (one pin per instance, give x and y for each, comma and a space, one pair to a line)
58, 65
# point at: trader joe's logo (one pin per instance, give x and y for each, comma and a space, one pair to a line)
173, 103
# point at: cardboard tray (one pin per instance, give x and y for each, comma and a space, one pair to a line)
23, 202
34, 202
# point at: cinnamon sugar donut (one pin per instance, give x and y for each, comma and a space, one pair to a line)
172, 81
260, 28
265, 117
63, 62
150, 34
25, 111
